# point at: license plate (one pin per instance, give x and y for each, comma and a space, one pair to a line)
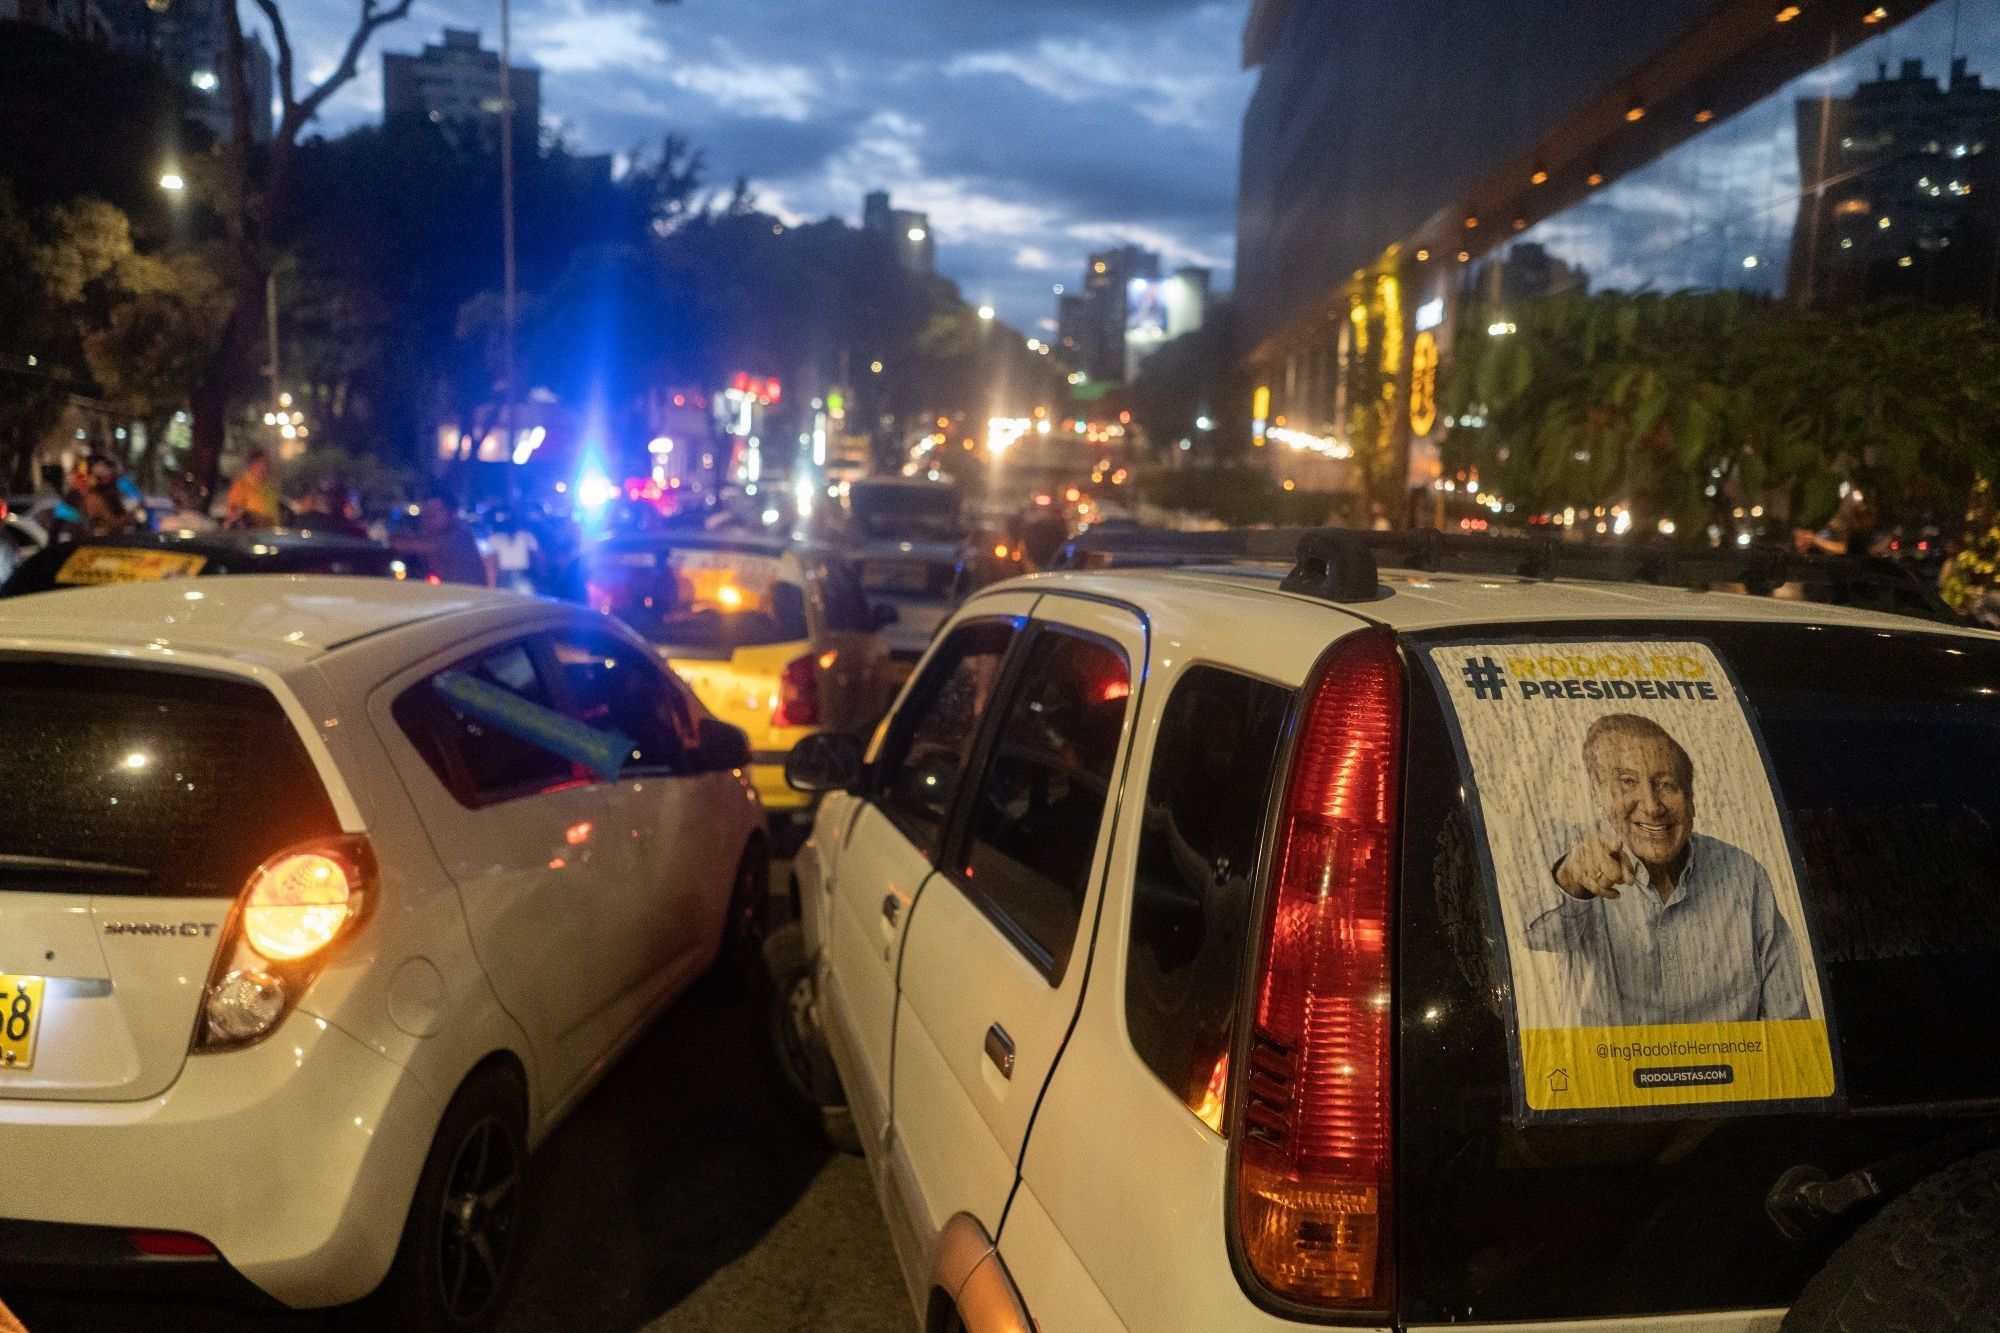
898, 576
20, 1015
91, 565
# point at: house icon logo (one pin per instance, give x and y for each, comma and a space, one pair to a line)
1559, 1080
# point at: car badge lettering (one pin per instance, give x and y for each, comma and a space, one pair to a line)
184, 929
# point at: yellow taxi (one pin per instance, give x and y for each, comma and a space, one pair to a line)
774, 638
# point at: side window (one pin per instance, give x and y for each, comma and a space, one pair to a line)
479, 762
1034, 824
930, 739
1213, 763
610, 686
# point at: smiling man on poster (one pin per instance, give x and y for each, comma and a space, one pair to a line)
1658, 923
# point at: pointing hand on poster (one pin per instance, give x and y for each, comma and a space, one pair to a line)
1596, 866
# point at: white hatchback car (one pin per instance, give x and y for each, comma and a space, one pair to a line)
1162, 957
321, 901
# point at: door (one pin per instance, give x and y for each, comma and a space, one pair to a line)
996, 952
515, 826
888, 852
679, 861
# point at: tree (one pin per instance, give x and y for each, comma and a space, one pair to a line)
1690, 405
140, 321
253, 202
33, 383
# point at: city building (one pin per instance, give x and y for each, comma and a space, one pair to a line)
184, 38
456, 84
1898, 193
187, 40
905, 231
85, 20
1404, 163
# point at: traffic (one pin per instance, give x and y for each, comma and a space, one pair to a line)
1083, 666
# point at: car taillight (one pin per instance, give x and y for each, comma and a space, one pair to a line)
295, 909
798, 694
1312, 1187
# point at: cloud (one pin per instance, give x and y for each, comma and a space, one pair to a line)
784, 92
580, 41
1031, 131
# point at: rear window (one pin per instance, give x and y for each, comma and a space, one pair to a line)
1884, 749
699, 597
908, 576
132, 781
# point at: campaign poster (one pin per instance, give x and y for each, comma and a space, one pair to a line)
1657, 951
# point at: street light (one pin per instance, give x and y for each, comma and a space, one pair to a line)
986, 312
172, 183
917, 233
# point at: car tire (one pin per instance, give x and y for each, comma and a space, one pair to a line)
460, 1251
748, 921
1926, 1261
798, 1045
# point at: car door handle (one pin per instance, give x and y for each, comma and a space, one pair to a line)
892, 907
1000, 1050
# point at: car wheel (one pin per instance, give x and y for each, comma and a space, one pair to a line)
744, 929
1926, 1261
798, 1046
459, 1253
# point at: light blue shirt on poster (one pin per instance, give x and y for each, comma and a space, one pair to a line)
1717, 950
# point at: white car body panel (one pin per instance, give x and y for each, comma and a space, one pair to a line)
297, 1156
1119, 1216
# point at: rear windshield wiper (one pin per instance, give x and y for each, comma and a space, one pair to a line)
12, 863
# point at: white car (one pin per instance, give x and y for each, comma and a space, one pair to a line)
321, 901
1129, 833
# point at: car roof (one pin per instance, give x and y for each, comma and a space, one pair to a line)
888, 548
1413, 600
237, 541
275, 617
691, 538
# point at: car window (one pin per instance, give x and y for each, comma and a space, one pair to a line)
699, 598
1034, 824
610, 686
1212, 766
180, 784
480, 762
838, 598
929, 742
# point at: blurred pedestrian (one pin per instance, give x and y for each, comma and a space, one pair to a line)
447, 545
253, 500
517, 555
95, 505
331, 507
190, 510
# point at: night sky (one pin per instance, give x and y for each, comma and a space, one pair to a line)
1032, 131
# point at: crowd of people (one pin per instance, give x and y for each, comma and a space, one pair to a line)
95, 498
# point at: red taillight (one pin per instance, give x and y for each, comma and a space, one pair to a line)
1313, 1153
295, 909
170, 1244
798, 694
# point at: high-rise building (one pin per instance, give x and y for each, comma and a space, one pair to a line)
1072, 333
1899, 191
1109, 294
456, 84
905, 231
188, 41
85, 20
185, 39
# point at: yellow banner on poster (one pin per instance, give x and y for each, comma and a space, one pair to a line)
1676, 1064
